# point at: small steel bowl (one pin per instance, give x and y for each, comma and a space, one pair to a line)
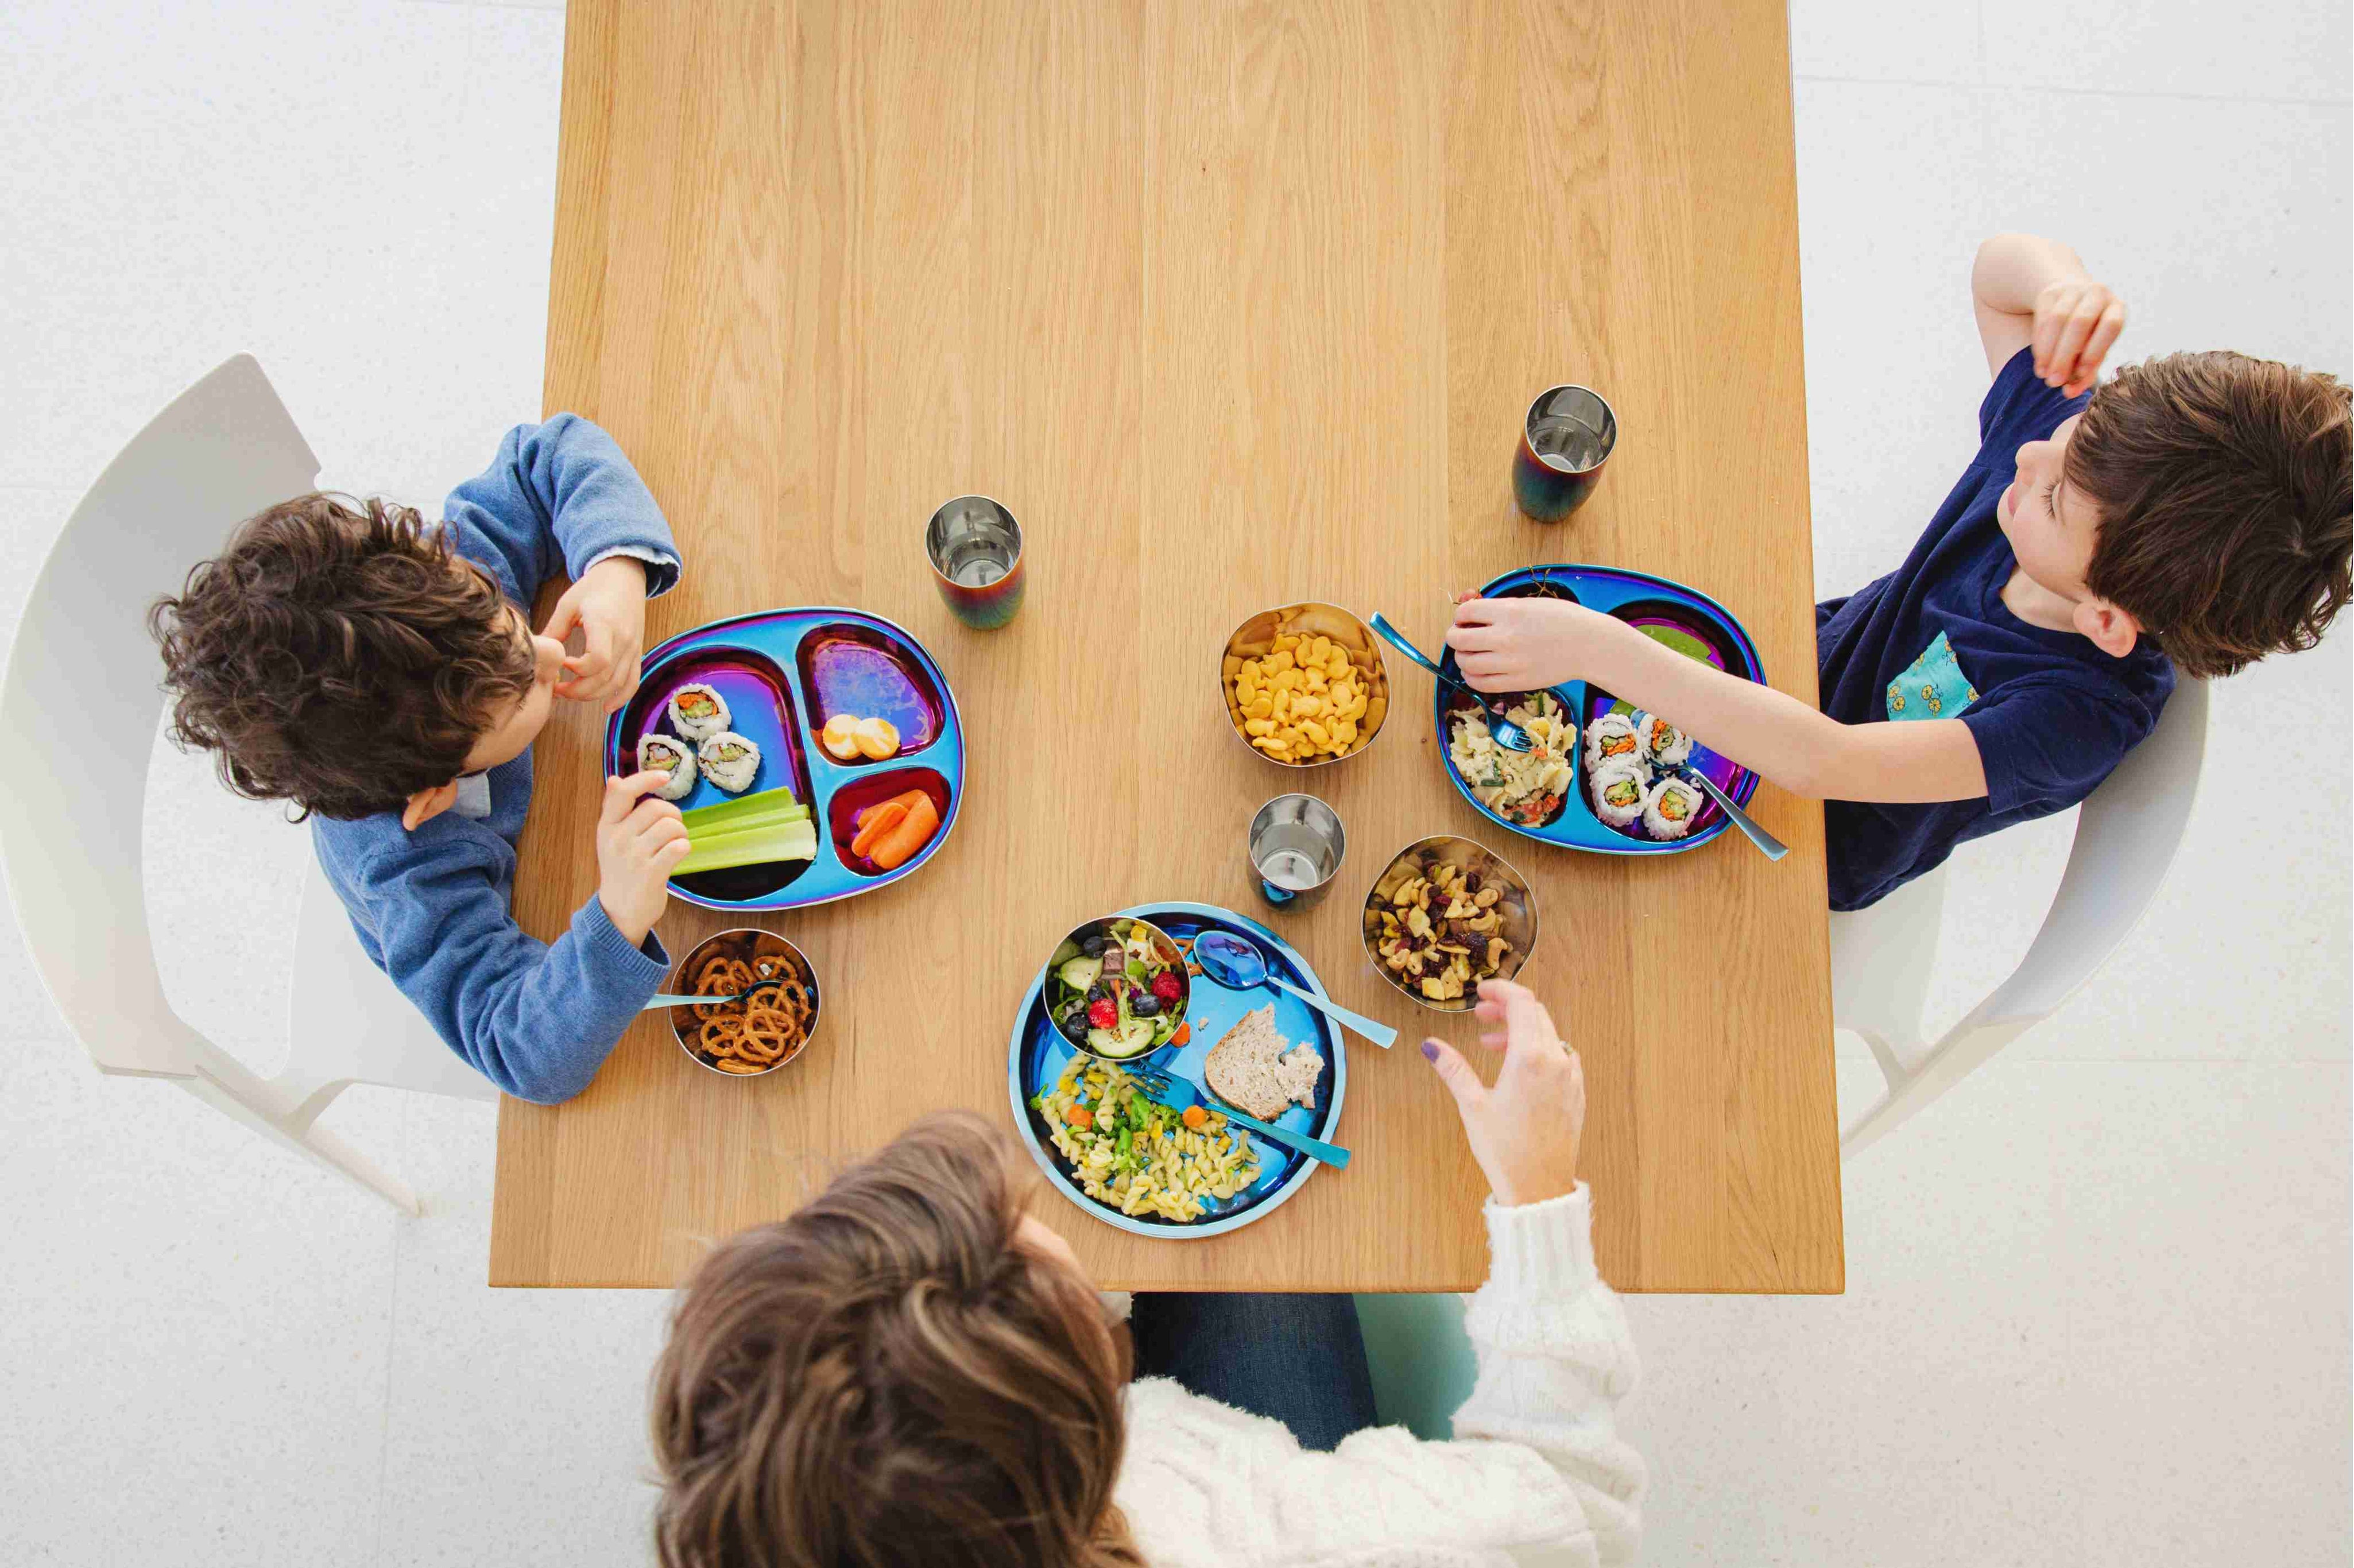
745, 942
1519, 905
1068, 947
1311, 618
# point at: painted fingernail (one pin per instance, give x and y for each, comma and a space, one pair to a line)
1430, 1050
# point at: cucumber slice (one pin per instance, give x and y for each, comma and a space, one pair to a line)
1135, 1035
1080, 972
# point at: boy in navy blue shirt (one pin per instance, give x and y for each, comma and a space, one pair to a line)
2193, 514
381, 673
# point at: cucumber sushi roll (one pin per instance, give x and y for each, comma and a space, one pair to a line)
698, 712
1664, 743
1612, 738
675, 757
1620, 791
1668, 811
730, 760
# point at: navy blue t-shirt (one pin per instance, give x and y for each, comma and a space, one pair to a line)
2052, 713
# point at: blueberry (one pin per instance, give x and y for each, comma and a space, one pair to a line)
1097, 991
1093, 946
1145, 1006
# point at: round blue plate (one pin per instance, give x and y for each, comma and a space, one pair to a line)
1035, 1058
784, 673
1684, 618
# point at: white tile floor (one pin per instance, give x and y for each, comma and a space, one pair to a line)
2097, 1305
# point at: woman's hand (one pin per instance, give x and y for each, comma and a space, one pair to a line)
1524, 1131
607, 605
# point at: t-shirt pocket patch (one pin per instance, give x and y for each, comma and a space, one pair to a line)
1933, 687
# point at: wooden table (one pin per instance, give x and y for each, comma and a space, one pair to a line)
1233, 305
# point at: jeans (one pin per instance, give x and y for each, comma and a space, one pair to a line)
1299, 1359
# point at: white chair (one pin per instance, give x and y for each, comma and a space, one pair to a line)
82, 662
2126, 835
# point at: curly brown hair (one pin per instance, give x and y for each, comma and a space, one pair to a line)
2222, 485
338, 654
889, 1380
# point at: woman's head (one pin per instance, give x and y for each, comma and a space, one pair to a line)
897, 1374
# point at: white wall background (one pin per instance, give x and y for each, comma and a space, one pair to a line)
2097, 1305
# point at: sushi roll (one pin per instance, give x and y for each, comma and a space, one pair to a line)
1621, 788
730, 760
674, 757
1664, 743
698, 712
1612, 738
1668, 811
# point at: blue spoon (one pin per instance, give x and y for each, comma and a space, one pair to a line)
1235, 963
1179, 1096
1507, 734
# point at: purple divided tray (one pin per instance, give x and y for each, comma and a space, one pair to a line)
1683, 617
784, 673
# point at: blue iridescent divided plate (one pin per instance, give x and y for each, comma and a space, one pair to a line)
1684, 618
784, 673
1038, 1053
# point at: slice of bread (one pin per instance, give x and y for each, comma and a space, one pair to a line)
1256, 1069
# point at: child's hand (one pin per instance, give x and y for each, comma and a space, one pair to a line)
1515, 645
608, 606
638, 842
2077, 320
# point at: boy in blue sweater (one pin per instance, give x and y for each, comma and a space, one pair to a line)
381, 673
2190, 515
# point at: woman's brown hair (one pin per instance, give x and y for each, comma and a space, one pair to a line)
339, 655
2222, 485
889, 1378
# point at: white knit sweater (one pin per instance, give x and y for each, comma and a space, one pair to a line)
1536, 1474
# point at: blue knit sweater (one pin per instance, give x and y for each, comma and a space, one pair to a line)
431, 907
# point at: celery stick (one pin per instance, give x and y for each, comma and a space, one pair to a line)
760, 829
699, 831
793, 841
767, 800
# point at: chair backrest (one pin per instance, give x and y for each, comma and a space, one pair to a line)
349, 1023
2127, 833
82, 690
2127, 837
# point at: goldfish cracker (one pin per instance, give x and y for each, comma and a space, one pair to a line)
1260, 706
1258, 726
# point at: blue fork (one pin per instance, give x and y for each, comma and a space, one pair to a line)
1503, 731
1179, 1096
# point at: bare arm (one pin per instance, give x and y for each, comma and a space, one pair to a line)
2030, 291
1526, 644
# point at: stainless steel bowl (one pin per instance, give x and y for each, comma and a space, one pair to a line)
743, 942
1254, 636
1518, 906
1162, 941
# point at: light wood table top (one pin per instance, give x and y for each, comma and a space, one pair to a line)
1234, 306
